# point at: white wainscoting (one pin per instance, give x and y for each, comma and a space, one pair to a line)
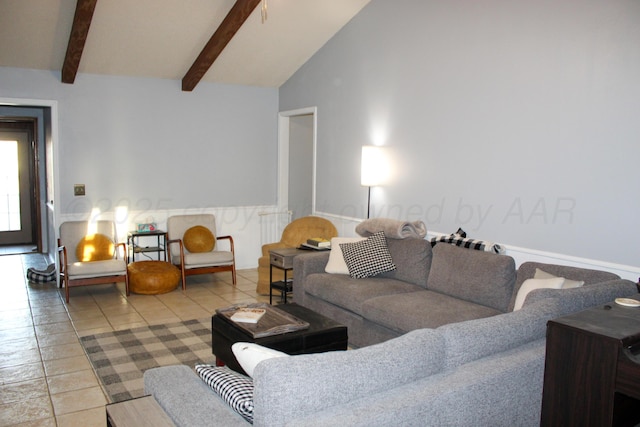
242, 223
253, 226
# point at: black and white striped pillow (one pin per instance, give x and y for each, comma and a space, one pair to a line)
369, 257
232, 387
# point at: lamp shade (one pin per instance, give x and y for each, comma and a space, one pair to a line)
375, 166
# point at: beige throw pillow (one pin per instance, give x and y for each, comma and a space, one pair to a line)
336, 264
568, 283
532, 284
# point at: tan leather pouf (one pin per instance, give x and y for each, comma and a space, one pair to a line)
153, 277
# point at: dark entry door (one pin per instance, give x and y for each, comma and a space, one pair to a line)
17, 185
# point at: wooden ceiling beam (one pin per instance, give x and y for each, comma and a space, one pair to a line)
77, 39
238, 14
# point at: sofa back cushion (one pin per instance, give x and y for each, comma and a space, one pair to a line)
412, 258
481, 277
475, 339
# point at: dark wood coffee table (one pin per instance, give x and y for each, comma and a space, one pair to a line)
323, 335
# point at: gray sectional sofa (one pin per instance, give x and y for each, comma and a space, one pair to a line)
430, 288
478, 364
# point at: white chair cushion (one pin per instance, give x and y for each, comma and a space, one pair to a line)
112, 267
205, 259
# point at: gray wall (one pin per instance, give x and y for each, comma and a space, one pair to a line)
518, 121
146, 145
300, 165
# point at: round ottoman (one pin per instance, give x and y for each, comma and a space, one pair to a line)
152, 277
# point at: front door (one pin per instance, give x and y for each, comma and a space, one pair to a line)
16, 185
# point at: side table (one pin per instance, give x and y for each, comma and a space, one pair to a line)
592, 368
283, 260
135, 247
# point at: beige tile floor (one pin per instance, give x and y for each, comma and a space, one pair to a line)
45, 376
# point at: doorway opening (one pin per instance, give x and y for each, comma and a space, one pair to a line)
297, 162
19, 186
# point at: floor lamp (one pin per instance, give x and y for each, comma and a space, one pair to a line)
374, 170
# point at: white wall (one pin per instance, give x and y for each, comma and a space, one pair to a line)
145, 145
518, 121
301, 165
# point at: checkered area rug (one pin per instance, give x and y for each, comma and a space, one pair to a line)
120, 358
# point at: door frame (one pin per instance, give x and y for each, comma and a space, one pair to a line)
284, 118
52, 177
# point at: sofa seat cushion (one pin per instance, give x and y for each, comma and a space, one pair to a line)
481, 277
343, 291
423, 309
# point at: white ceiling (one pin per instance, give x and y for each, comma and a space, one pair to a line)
162, 38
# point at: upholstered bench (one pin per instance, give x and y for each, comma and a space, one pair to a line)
153, 277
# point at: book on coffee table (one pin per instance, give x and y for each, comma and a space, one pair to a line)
273, 322
248, 315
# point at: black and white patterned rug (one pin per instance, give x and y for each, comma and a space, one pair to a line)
120, 358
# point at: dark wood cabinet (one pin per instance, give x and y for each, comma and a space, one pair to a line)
592, 368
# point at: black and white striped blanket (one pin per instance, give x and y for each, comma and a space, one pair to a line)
459, 239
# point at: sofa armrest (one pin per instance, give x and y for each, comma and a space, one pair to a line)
578, 299
501, 390
271, 246
304, 265
187, 400
287, 388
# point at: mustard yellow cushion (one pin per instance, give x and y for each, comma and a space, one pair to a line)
199, 239
95, 247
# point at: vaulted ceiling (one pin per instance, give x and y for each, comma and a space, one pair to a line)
165, 38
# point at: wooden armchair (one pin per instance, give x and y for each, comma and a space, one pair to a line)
193, 248
91, 257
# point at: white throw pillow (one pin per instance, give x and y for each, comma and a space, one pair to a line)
336, 264
568, 283
249, 355
532, 284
